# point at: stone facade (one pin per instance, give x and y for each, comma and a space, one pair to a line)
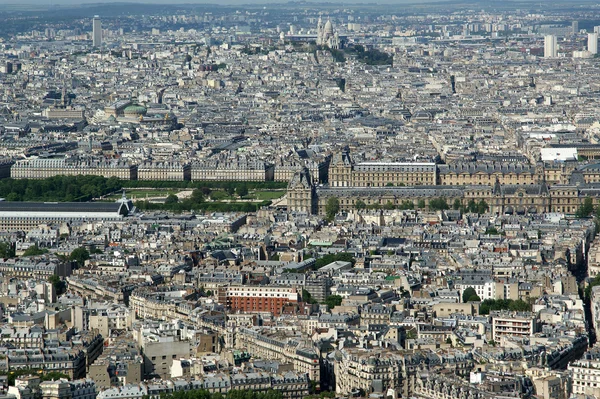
304, 196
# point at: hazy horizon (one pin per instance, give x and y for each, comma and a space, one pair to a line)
241, 2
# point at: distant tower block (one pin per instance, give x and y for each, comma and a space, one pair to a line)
97, 31
592, 44
575, 27
550, 46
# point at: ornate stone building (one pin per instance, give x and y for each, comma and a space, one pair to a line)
343, 172
326, 36
304, 196
472, 173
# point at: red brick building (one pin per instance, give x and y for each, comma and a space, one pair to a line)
272, 299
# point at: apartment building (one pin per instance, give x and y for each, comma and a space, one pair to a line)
64, 113
586, 374
513, 324
272, 299
69, 361
40, 267
261, 344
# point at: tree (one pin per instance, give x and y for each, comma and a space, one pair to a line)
34, 250
242, 190
504, 304
421, 204
6, 250
230, 190
406, 205
457, 204
438, 204
389, 205
307, 297
472, 206
586, 208
332, 207
80, 255
171, 199
491, 230
360, 205
474, 298
197, 196
333, 300
59, 285
482, 207
468, 293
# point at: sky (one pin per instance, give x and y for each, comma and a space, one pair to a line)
17, 3
89, 2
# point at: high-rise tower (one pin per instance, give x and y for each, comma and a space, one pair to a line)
592, 44
550, 46
97, 31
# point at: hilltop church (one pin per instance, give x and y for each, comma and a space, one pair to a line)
326, 36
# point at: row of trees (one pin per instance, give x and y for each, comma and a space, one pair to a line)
331, 301
504, 304
12, 375
224, 185
58, 188
436, 204
370, 57
190, 205
233, 394
470, 295
84, 188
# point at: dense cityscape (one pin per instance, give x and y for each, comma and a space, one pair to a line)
300, 200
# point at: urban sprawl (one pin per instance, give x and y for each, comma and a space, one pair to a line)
300, 201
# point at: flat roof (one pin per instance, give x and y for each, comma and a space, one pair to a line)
10, 206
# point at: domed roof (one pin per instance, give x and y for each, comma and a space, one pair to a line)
135, 110
328, 27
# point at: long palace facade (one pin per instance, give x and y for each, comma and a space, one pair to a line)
539, 197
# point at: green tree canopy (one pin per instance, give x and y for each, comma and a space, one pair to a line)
34, 250
333, 300
360, 204
7, 250
242, 190
586, 209
504, 304
80, 255
332, 208
197, 196
389, 205
468, 293
472, 206
438, 204
307, 297
171, 199
482, 207
457, 204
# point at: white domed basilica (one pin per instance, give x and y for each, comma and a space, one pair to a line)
326, 36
